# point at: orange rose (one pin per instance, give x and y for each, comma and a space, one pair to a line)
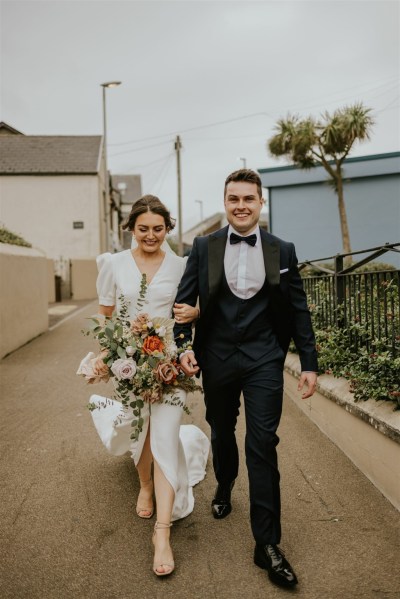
152, 344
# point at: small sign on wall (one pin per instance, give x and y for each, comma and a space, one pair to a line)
78, 224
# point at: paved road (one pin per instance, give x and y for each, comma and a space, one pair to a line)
69, 530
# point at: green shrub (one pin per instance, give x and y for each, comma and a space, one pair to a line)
7, 236
373, 373
370, 363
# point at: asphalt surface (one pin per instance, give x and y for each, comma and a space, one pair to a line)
68, 527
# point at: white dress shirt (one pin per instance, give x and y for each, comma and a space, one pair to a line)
244, 265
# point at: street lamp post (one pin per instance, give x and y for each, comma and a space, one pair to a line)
244, 162
106, 181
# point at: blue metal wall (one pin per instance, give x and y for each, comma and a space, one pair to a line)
308, 215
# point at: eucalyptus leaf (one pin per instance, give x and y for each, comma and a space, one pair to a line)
110, 333
121, 352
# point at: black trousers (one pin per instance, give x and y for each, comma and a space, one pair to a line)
261, 383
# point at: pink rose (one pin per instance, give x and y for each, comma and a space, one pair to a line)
166, 372
124, 369
92, 373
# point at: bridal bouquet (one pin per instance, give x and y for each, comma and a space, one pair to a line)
141, 356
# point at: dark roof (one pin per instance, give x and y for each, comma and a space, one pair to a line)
50, 154
6, 129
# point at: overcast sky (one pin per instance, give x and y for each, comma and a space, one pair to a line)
218, 73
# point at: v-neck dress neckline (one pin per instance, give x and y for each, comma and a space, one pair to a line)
159, 269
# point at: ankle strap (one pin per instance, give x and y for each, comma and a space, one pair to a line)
162, 525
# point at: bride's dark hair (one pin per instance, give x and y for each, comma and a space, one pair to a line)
149, 203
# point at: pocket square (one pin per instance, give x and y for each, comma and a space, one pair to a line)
283, 271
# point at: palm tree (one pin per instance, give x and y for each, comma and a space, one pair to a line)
326, 142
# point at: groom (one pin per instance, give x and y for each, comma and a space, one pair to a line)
251, 304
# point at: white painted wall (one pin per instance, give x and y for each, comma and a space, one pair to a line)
43, 208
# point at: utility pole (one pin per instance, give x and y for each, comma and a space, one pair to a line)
106, 181
178, 147
105, 86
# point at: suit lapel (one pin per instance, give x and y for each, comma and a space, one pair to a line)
271, 258
216, 253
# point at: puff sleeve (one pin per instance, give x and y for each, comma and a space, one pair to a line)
105, 284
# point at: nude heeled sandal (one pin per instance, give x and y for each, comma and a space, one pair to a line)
170, 566
145, 509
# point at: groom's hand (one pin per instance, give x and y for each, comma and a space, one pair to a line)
189, 364
310, 379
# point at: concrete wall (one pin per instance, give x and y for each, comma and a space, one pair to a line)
370, 439
83, 279
308, 215
24, 296
43, 209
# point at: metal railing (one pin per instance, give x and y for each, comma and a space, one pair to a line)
366, 304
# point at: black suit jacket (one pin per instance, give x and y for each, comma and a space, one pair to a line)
289, 312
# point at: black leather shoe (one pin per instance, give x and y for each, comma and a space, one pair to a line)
271, 558
221, 505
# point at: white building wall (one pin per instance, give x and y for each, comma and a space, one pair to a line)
42, 209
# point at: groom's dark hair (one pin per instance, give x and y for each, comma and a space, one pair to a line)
247, 175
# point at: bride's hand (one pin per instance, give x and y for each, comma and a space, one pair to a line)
184, 313
98, 363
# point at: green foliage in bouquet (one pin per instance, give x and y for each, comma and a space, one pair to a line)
141, 356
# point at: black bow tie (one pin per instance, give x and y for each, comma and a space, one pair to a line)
250, 239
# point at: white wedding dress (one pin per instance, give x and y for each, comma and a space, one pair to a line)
180, 450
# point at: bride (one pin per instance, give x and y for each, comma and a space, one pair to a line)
177, 453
